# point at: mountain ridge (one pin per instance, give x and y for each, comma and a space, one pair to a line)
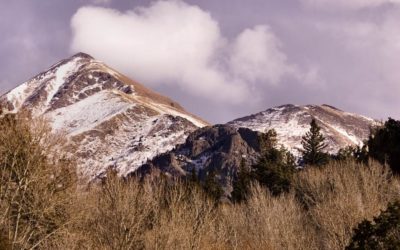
220, 150
109, 119
291, 122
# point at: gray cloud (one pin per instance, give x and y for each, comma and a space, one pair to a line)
347, 4
101, 1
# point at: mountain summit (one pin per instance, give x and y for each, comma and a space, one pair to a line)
291, 122
109, 119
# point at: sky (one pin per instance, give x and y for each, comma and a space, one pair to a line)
222, 59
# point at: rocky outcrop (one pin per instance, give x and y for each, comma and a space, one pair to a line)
219, 149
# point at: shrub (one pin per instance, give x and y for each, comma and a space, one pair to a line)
382, 233
340, 195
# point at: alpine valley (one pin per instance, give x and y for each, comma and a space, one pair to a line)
113, 121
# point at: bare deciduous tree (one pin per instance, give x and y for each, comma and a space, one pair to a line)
36, 190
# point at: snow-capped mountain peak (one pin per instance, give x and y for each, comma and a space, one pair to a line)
291, 122
110, 120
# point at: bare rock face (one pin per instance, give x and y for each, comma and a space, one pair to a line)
109, 119
291, 122
219, 149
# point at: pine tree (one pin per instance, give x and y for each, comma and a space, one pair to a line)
241, 184
212, 186
383, 232
275, 167
268, 140
384, 144
275, 170
314, 146
193, 178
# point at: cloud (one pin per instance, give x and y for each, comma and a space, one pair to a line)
180, 45
376, 42
364, 71
347, 4
257, 55
101, 1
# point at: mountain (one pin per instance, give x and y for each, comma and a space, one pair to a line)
113, 121
109, 119
218, 150
291, 122
221, 149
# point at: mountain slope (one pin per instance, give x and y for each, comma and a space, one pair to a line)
218, 149
291, 122
109, 119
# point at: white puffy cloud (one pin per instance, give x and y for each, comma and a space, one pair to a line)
257, 55
348, 4
171, 42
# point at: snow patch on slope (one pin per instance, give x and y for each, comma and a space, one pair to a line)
62, 73
351, 137
17, 95
151, 143
164, 109
168, 110
88, 113
131, 145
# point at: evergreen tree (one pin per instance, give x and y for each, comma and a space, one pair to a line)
193, 178
212, 187
275, 170
384, 144
359, 154
382, 233
275, 167
268, 140
241, 184
314, 145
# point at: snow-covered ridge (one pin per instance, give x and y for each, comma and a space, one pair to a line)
109, 119
291, 122
48, 82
